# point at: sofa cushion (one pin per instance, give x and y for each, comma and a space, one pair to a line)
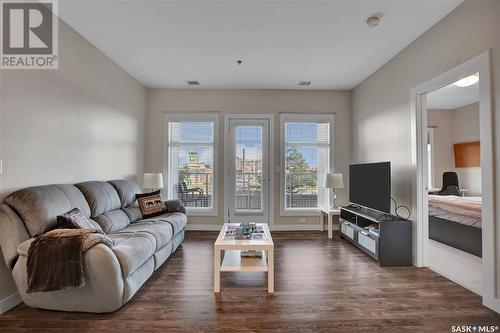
126, 191
133, 212
113, 221
178, 221
101, 197
132, 250
39, 206
162, 231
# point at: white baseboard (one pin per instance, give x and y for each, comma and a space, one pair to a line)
492, 303
9, 302
295, 227
279, 227
204, 227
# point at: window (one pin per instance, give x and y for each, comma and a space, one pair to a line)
306, 159
191, 161
430, 157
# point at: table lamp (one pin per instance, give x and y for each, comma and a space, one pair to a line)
152, 181
332, 182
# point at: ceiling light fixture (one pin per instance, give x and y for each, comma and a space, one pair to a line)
193, 83
373, 21
468, 81
304, 83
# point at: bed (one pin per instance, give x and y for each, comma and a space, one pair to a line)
456, 221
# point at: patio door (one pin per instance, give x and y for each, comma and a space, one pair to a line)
248, 170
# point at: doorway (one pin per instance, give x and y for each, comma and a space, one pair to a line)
248, 177
454, 182
420, 154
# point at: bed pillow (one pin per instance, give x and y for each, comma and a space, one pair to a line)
75, 219
151, 204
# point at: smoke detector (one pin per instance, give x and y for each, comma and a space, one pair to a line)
373, 21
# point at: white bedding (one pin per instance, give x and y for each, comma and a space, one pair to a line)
464, 210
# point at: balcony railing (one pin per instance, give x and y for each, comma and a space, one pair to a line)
248, 190
298, 194
195, 189
198, 190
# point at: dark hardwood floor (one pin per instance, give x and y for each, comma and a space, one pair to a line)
322, 285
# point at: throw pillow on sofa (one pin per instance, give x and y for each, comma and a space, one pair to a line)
151, 204
75, 219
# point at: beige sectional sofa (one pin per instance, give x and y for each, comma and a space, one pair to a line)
112, 275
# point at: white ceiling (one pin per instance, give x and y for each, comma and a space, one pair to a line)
165, 43
452, 97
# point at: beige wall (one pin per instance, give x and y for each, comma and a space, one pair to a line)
382, 100
455, 126
466, 129
84, 121
250, 102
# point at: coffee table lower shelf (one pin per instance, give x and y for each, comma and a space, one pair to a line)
234, 262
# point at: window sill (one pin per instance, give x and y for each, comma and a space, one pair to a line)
300, 212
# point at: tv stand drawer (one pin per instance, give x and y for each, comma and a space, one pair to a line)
347, 230
367, 242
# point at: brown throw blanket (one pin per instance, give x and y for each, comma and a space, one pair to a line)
55, 258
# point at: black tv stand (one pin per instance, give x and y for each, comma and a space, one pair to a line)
387, 217
354, 206
388, 240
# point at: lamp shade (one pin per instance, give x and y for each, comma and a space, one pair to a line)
334, 180
152, 180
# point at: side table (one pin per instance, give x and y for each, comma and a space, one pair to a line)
330, 213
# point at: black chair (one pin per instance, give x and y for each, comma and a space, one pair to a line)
189, 196
450, 184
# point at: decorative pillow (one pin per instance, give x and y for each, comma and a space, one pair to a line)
75, 219
151, 204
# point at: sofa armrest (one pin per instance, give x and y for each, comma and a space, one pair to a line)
89, 242
175, 206
103, 290
12, 233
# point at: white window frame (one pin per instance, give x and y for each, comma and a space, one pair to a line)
194, 117
302, 117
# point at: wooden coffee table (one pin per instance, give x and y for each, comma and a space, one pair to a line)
227, 256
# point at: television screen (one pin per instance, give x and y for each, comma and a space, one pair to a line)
370, 185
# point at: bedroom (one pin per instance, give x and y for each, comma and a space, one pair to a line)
454, 182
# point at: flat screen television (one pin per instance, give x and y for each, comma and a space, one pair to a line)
370, 185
